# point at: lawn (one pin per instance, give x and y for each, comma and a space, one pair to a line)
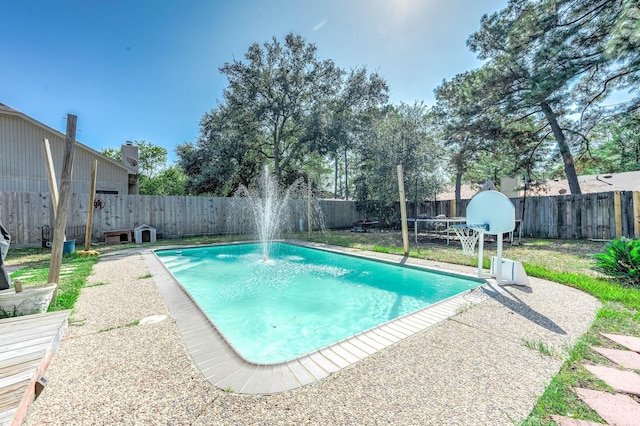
568, 262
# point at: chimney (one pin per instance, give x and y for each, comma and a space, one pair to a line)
129, 154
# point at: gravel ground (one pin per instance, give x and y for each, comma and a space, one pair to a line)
473, 369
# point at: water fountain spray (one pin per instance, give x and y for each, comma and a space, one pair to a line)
273, 210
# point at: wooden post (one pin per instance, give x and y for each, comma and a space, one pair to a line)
403, 210
452, 213
636, 214
53, 185
90, 208
617, 211
63, 202
309, 217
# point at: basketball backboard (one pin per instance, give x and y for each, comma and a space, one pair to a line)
493, 209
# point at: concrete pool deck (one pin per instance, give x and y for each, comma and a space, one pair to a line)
475, 367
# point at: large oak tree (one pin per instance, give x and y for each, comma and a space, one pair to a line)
283, 107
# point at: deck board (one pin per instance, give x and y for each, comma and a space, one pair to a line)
27, 344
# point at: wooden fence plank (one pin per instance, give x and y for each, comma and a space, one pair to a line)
617, 207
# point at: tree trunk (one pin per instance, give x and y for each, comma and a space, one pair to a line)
335, 177
567, 158
276, 156
458, 186
346, 176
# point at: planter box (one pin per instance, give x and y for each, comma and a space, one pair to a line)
31, 300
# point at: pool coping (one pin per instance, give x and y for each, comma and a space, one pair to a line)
223, 367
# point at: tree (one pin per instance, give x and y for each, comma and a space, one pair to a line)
614, 146
279, 91
466, 124
398, 135
622, 53
480, 137
284, 108
546, 61
223, 156
544, 58
170, 181
152, 159
156, 178
348, 116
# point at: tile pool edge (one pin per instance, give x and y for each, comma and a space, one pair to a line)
224, 368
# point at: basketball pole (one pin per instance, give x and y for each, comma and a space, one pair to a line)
403, 211
480, 254
499, 259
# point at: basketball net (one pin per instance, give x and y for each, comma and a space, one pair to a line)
468, 238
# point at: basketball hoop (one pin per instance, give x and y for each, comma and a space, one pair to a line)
497, 213
468, 236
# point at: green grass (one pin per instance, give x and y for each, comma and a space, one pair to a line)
540, 243
116, 327
540, 347
604, 289
8, 314
36, 272
393, 250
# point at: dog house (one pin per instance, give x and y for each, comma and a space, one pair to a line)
117, 236
144, 234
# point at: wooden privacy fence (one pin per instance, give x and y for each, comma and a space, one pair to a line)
604, 215
25, 214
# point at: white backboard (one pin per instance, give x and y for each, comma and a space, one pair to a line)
494, 209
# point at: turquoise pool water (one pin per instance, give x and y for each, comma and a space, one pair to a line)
302, 299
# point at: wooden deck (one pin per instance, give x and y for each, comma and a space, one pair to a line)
27, 344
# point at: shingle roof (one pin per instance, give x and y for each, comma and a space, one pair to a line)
7, 108
467, 191
589, 184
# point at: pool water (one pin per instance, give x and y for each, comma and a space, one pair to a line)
301, 299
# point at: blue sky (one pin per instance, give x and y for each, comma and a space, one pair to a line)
148, 70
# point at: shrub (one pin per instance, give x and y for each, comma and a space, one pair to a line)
621, 259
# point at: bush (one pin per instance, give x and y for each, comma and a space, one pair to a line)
621, 259
388, 214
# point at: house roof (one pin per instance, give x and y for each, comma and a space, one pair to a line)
467, 191
7, 110
589, 184
606, 182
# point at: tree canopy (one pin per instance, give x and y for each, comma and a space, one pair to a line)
283, 107
156, 177
546, 61
539, 104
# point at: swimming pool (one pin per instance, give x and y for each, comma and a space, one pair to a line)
302, 299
